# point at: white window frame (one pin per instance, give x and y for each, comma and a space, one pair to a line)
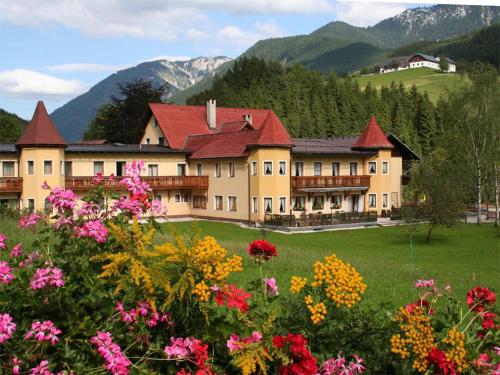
387, 195
158, 198
284, 207
93, 167
70, 163
185, 198
295, 168
357, 168
199, 169
264, 204
229, 174
61, 167
368, 166
255, 205
27, 168
34, 203
264, 168
331, 201
295, 202
52, 167
215, 202
279, 162
375, 195
320, 168
157, 169
177, 198
8, 161
254, 165
388, 167
217, 170
236, 203
321, 198
338, 163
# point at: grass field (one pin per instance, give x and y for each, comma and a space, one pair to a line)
427, 80
463, 256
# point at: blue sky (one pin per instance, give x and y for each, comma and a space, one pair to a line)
55, 50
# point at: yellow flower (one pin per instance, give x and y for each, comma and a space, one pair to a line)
297, 284
456, 353
202, 291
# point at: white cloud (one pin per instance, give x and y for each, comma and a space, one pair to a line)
360, 13
31, 84
85, 68
239, 38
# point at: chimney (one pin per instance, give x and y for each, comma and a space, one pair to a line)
248, 118
211, 111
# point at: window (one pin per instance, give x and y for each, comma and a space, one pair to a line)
177, 198
372, 200
268, 205
61, 167
8, 168
299, 168
336, 169
282, 205
158, 198
254, 168
161, 141
68, 168
98, 167
155, 123
353, 168
318, 202
31, 204
148, 141
47, 167
255, 205
317, 168
47, 206
30, 167
385, 200
200, 201
336, 202
217, 169
299, 203
181, 169
231, 204
199, 169
218, 203
282, 168
230, 169
268, 168
153, 170
385, 167
185, 197
120, 168
372, 167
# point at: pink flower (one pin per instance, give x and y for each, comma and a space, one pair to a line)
88, 209
47, 276
158, 208
62, 200
93, 229
98, 178
41, 369
43, 331
29, 220
6, 275
115, 361
16, 251
339, 366
235, 343
271, 287
16, 363
421, 283
483, 361
7, 327
29, 260
179, 348
133, 181
3, 238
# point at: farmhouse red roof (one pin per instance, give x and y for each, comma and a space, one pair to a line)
41, 131
372, 137
178, 122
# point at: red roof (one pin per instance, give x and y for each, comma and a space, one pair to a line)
372, 137
41, 131
178, 122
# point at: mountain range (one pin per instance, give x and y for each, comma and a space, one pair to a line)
335, 46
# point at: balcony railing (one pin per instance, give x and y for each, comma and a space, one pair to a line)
301, 182
11, 184
156, 183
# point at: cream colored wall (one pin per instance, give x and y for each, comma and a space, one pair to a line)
32, 184
224, 186
275, 186
152, 132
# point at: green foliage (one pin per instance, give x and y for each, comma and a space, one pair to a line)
123, 119
443, 63
11, 127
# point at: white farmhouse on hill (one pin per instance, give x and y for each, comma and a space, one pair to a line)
418, 60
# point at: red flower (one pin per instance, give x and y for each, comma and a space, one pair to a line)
233, 297
262, 250
302, 361
489, 320
478, 298
443, 365
424, 304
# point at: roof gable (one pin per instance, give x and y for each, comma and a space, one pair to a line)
41, 131
372, 137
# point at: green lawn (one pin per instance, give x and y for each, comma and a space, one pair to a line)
427, 80
463, 256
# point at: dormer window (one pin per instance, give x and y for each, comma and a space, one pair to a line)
155, 123
161, 141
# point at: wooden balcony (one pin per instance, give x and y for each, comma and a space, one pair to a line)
157, 183
319, 182
11, 184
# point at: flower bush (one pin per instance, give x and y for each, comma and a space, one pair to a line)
95, 293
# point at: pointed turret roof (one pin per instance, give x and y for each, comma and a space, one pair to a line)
372, 137
272, 132
41, 131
